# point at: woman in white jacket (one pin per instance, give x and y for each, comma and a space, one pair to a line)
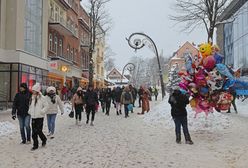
54, 102
37, 109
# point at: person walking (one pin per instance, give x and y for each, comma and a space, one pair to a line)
37, 109
108, 100
140, 93
20, 109
118, 92
102, 97
178, 102
234, 94
126, 99
54, 102
156, 93
145, 100
91, 100
77, 105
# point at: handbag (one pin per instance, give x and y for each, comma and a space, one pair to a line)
71, 114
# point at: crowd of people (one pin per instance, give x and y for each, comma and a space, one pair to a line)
33, 106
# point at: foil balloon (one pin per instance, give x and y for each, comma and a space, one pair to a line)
209, 63
205, 49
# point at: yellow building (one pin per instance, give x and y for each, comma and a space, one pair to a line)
98, 59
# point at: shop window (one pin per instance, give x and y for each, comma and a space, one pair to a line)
50, 41
4, 86
15, 67
14, 84
4, 67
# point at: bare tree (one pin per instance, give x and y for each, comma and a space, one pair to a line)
109, 64
197, 12
99, 25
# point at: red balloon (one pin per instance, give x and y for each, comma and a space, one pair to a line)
209, 63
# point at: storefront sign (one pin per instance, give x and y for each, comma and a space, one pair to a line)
53, 64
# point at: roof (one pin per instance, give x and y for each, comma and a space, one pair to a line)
231, 9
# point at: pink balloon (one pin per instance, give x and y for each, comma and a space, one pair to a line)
209, 63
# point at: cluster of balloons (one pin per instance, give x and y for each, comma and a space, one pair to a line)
208, 81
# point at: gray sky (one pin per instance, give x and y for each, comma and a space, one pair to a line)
150, 17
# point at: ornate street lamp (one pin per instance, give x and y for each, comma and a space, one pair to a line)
129, 66
138, 41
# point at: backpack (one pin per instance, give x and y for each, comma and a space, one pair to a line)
127, 96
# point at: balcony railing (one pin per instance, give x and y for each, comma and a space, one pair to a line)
65, 24
84, 42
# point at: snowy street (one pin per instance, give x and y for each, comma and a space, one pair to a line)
136, 142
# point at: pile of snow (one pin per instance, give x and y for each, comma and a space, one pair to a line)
161, 114
6, 128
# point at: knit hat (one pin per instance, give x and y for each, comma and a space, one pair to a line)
24, 85
51, 88
36, 87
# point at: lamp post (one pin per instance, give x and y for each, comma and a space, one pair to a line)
129, 66
139, 42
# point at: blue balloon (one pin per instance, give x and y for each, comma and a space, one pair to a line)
224, 70
218, 58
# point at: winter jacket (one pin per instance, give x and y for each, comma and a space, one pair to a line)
178, 102
21, 103
91, 98
39, 110
118, 92
124, 99
53, 107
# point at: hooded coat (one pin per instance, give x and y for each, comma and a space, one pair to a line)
21, 102
178, 102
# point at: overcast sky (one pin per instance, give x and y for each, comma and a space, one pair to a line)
150, 17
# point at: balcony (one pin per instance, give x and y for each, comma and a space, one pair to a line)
84, 24
65, 3
84, 42
63, 27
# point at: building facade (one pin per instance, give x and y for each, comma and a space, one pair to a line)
232, 35
98, 58
45, 41
67, 30
23, 45
179, 56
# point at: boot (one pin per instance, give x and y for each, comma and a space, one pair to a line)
120, 112
188, 140
178, 139
91, 123
117, 113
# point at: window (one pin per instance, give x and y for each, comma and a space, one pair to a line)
33, 27
52, 10
68, 51
71, 54
56, 14
50, 42
61, 47
56, 44
75, 55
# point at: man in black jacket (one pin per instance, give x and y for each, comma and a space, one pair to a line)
178, 102
91, 100
21, 107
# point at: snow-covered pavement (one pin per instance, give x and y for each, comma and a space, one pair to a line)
136, 142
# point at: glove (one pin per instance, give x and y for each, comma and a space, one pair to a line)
13, 117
